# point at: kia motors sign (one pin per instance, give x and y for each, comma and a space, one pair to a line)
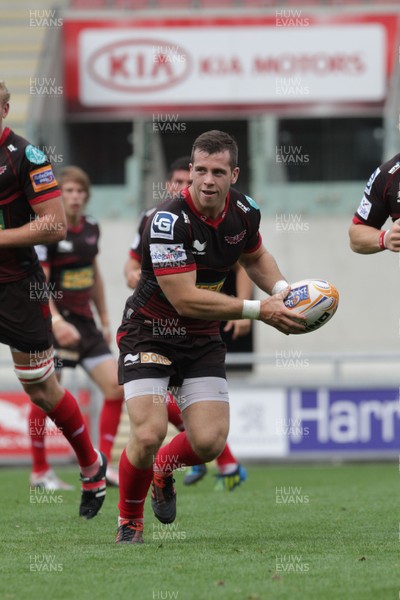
238, 63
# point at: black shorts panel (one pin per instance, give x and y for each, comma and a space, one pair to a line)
144, 355
91, 344
25, 319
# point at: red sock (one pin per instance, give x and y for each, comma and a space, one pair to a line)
226, 459
134, 484
109, 421
37, 428
178, 453
174, 412
68, 417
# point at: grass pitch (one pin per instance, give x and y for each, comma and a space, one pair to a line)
289, 532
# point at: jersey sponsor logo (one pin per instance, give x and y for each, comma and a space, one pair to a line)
199, 247
235, 239
167, 253
41, 251
3, 169
185, 217
65, 246
162, 225
43, 179
395, 168
12, 148
77, 279
371, 181
213, 287
131, 359
244, 208
252, 202
34, 155
365, 208
91, 239
152, 357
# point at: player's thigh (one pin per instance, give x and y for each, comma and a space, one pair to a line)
148, 416
206, 419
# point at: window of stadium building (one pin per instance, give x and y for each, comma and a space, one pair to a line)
101, 149
331, 149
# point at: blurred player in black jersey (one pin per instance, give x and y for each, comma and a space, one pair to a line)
75, 282
31, 212
380, 201
230, 472
169, 334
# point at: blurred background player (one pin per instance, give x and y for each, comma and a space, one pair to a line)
231, 473
32, 213
380, 201
75, 282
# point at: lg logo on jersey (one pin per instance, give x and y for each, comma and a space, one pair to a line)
162, 225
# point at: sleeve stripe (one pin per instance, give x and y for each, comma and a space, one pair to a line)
45, 197
174, 270
256, 247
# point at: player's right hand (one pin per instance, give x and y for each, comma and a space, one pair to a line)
66, 334
274, 312
392, 238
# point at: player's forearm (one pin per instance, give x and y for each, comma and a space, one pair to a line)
364, 239
41, 230
264, 271
206, 304
244, 285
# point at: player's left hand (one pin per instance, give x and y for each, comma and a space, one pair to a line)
239, 327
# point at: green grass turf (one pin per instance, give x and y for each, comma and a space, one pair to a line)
335, 538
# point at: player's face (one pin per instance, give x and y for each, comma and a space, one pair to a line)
5, 107
74, 198
179, 180
212, 177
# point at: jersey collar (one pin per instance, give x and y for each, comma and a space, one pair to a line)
212, 222
4, 135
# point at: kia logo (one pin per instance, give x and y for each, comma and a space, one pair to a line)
139, 65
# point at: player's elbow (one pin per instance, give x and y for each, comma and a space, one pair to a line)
355, 244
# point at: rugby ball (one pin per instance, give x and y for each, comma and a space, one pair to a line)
315, 299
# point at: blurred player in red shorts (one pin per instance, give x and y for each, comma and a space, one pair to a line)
75, 283
31, 212
231, 473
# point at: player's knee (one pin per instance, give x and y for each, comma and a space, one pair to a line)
208, 447
148, 441
39, 396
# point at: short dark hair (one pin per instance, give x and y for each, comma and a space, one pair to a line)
217, 141
180, 164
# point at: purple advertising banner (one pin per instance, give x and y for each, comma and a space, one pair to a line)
343, 420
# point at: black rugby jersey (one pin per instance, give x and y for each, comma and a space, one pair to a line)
381, 198
178, 239
136, 246
26, 178
71, 267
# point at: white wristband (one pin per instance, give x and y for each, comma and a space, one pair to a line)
279, 287
251, 309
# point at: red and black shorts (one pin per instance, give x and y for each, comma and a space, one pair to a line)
147, 356
25, 319
91, 349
